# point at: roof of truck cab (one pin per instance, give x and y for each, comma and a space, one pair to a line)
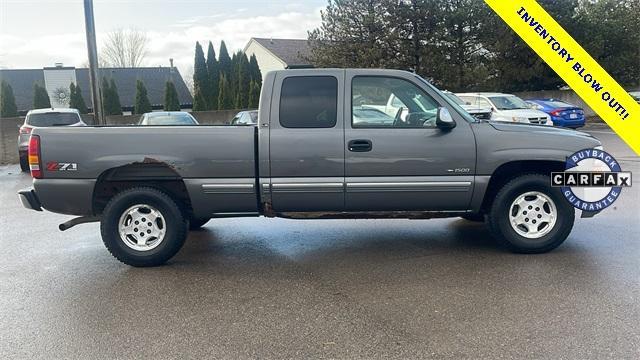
52, 110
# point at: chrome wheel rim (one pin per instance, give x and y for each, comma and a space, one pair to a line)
142, 227
533, 215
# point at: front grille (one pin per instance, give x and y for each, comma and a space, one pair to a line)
538, 120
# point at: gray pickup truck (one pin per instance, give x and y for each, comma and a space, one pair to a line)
329, 144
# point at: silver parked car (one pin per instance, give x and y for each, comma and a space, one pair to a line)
44, 118
245, 118
171, 118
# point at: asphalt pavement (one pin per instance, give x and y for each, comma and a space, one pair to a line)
276, 288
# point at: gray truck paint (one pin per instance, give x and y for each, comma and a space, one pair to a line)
305, 170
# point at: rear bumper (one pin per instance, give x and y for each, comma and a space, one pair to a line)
29, 199
574, 123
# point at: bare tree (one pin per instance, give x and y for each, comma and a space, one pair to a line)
188, 78
125, 48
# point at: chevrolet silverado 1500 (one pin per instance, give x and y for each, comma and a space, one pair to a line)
326, 145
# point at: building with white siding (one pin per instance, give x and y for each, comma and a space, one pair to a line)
278, 54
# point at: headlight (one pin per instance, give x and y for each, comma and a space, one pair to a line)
520, 119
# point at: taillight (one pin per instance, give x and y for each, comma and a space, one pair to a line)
25, 130
34, 157
556, 112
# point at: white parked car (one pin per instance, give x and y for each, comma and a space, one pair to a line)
507, 107
478, 112
43, 118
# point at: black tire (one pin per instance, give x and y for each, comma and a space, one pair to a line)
24, 163
175, 227
197, 223
499, 216
475, 217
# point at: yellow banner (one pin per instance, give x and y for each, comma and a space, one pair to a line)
574, 65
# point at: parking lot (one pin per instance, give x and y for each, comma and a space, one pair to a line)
280, 288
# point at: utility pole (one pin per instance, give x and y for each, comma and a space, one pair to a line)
90, 28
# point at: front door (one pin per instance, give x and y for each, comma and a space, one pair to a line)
306, 140
396, 158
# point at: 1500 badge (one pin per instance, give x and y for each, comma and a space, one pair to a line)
61, 166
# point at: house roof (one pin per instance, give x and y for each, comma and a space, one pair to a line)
154, 78
293, 52
21, 81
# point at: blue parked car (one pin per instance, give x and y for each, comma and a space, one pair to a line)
562, 113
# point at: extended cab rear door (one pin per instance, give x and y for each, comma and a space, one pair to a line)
306, 141
403, 161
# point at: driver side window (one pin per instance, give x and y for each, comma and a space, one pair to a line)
385, 102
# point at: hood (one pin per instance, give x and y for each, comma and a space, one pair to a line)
473, 109
538, 129
528, 113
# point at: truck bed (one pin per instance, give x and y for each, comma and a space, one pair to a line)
216, 163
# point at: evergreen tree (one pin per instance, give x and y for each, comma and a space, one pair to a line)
225, 98
40, 97
213, 71
110, 98
242, 81
142, 103
8, 106
224, 61
117, 108
106, 96
254, 95
198, 103
171, 101
76, 101
254, 70
200, 81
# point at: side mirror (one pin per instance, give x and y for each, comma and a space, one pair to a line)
444, 120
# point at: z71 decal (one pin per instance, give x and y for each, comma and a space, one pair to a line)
61, 166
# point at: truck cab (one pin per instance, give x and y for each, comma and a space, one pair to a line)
329, 150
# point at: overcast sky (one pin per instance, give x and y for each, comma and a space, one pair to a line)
34, 34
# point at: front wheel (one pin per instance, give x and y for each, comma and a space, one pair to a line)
528, 215
143, 227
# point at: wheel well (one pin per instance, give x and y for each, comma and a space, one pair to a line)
156, 175
510, 170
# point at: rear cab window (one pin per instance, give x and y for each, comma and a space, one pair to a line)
309, 102
52, 119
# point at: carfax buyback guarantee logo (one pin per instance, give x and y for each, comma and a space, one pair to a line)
592, 179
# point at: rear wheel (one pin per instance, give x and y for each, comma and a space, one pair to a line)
143, 227
528, 215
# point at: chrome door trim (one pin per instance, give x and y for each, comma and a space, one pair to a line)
231, 188
419, 186
329, 187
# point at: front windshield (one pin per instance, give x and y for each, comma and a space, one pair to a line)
508, 102
455, 98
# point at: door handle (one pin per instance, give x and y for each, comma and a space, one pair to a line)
360, 145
